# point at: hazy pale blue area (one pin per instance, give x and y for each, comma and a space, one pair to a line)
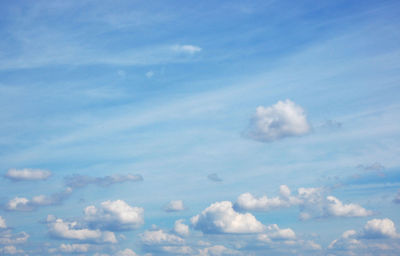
169, 90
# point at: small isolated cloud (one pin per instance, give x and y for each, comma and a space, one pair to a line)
27, 174
79, 181
220, 217
180, 228
73, 231
10, 250
376, 167
187, 48
114, 215
284, 119
214, 177
311, 202
159, 237
3, 224
276, 233
174, 206
149, 74
121, 73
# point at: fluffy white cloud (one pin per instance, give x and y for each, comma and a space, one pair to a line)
126, 252
336, 208
220, 217
177, 249
380, 228
310, 200
2, 223
114, 215
18, 204
27, 174
70, 248
180, 228
159, 237
187, 48
174, 206
284, 119
71, 230
274, 232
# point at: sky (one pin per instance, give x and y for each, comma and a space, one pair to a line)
203, 128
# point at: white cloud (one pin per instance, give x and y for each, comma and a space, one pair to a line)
220, 217
177, 249
380, 228
217, 250
114, 215
79, 181
174, 206
274, 232
18, 204
187, 48
2, 223
336, 208
10, 249
159, 237
71, 230
180, 228
149, 74
71, 248
126, 252
6, 237
311, 201
284, 119
27, 174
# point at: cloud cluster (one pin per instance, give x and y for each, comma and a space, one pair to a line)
3, 224
375, 229
180, 228
80, 181
159, 237
27, 174
25, 204
220, 217
7, 237
10, 250
311, 202
174, 206
73, 231
114, 215
284, 119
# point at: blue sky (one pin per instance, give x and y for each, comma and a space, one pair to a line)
199, 128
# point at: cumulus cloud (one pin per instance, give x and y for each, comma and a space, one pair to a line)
214, 177
274, 232
2, 223
159, 237
174, 206
284, 119
376, 229
220, 217
114, 215
27, 174
79, 181
187, 48
180, 228
311, 201
73, 231
336, 208
380, 228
